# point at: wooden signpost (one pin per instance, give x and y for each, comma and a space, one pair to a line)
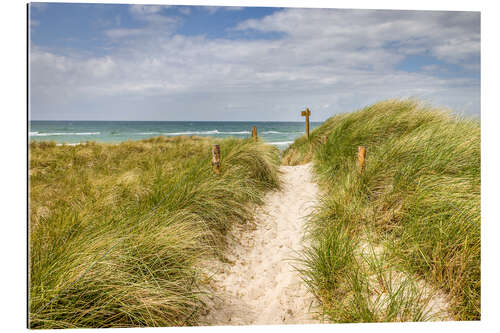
361, 158
254, 133
306, 113
216, 158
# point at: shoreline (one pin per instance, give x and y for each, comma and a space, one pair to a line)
282, 145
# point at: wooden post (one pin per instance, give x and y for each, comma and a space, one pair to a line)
216, 158
361, 158
306, 113
254, 133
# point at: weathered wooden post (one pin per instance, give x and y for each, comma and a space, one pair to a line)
254, 133
361, 158
216, 158
306, 113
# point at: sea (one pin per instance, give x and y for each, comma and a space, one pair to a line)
280, 134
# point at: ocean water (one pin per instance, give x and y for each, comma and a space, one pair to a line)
280, 134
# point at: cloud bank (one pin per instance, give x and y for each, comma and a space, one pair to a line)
329, 60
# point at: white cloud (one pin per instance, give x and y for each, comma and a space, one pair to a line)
184, 10
146, 9
214, 9
120, 33
40, 6
233, 8
457, 49
210, 9
432, 68
155, 23
152, 14
449, 36
330, 61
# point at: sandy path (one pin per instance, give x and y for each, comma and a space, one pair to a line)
259, 284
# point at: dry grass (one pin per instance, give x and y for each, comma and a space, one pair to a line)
419, 196
117, 232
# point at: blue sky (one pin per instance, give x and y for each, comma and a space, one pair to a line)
139, 62
83, 27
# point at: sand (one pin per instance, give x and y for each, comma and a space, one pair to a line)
433, 302
259, 285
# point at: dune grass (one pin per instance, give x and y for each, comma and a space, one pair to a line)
419, 198
117, 232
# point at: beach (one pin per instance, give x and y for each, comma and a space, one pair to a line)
261, 235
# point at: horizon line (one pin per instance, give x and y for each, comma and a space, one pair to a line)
207, 121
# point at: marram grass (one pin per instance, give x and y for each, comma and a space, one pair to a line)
419, 196
117, 232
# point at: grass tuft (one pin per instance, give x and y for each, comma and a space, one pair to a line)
117, 232
419, 196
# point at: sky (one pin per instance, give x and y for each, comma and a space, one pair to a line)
151, 62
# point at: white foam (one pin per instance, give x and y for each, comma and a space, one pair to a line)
203, 132
193, 132
276, 132
241, 132
280, 143
58, 134
68, 144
